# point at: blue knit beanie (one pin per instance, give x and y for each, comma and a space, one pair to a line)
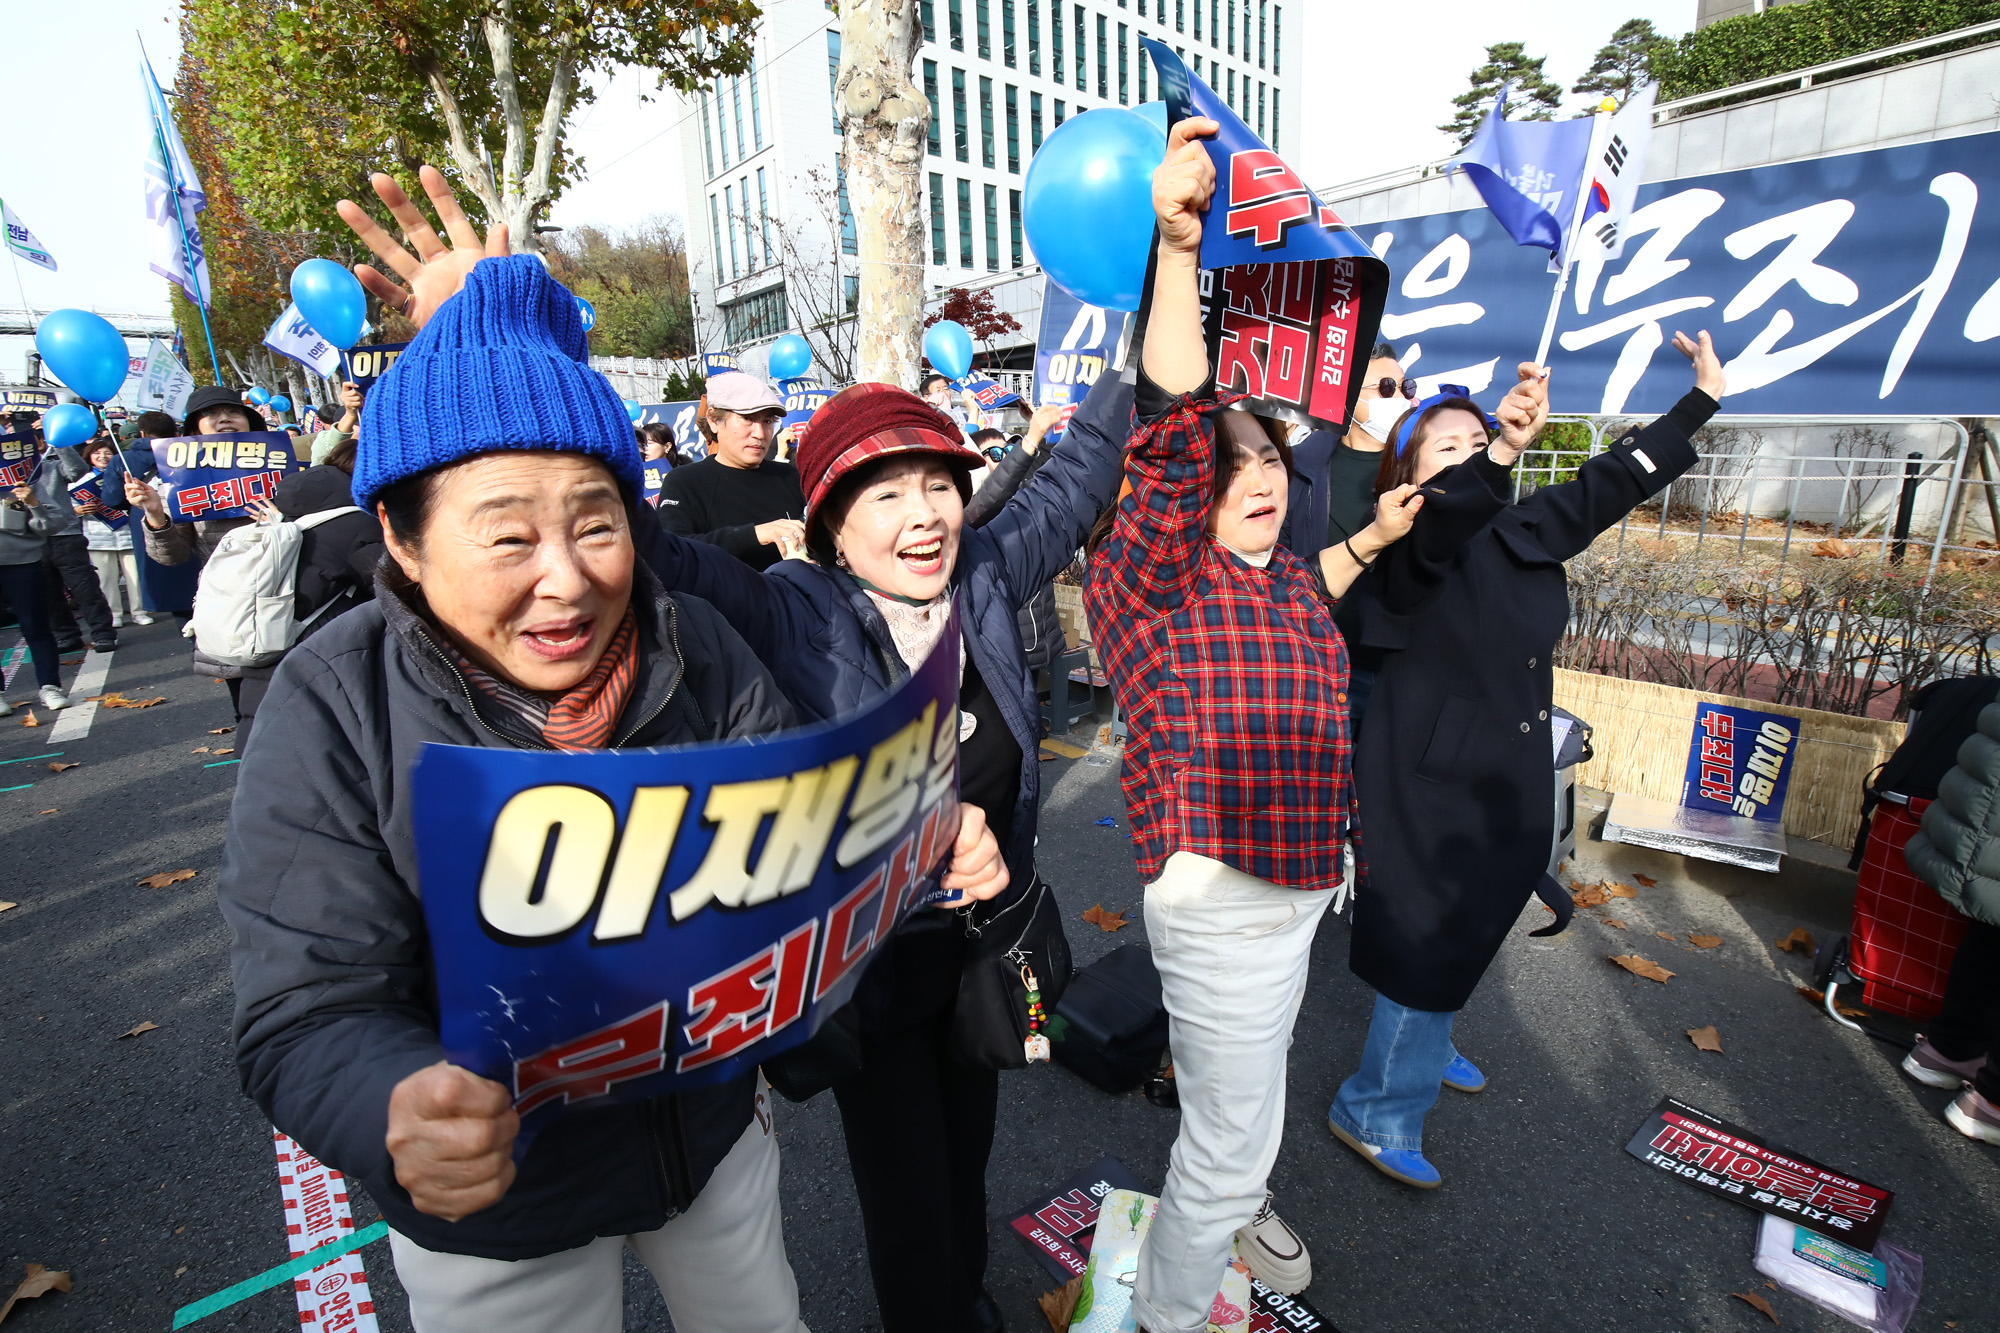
501, 365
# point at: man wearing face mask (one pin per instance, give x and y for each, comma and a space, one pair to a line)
1336, 494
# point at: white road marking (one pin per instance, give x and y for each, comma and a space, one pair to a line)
73, 723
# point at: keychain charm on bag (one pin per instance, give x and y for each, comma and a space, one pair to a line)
1037, 1045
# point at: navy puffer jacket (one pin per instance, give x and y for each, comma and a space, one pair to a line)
829, 647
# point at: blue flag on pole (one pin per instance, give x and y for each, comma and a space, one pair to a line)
1528, 172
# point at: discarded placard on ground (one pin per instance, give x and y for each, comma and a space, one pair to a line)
1728, 1160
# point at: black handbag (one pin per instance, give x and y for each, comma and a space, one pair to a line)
1019, 967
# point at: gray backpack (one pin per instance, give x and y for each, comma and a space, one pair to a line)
243, 604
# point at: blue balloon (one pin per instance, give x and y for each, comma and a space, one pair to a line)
588, 312
634, 411
68, 425
1099, 166
1156, 112
948, 347
791, 355
331, 300
279, 403
84, 352
258, 395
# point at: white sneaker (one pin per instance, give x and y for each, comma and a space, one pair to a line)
1274, 1252
54, 698
117, 620
141, 618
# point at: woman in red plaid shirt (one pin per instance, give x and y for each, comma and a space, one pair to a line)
1224, 656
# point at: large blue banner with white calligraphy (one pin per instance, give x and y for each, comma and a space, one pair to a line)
681, 416
217, 476
623, 922
1862, 284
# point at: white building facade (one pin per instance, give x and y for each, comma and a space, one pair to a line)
770, 239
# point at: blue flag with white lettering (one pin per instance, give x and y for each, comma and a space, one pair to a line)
1528, 172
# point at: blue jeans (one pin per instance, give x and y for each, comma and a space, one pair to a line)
1402, 1068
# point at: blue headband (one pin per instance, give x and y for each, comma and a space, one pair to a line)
1445, 392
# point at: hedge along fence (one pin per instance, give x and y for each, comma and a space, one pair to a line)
1798, 36
1641, 732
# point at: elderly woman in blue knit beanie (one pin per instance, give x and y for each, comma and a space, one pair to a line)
510, 611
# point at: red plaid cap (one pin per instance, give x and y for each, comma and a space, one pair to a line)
867, 421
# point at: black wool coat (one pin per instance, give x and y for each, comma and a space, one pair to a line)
1455, 766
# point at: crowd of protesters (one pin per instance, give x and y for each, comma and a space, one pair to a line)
1298, 627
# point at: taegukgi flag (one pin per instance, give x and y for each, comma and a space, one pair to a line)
1529, 172
22, 241
291, 336
173, 197
1615, 175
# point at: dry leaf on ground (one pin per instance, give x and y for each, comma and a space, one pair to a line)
39, 1282
1756, 1302
225, 749
1643, 967
1103, 920
49, 811
1799, 941
180, 1270
1617, 890
1667, 935
199, 749
1614, 923
1588, 895
1818, 997
1645, 881
220, 731
1705, 941
147, 1026
120, 701
5, 906
1706, 1039
62, 768
1833, 548
165, 878
31, 720
1059, 1305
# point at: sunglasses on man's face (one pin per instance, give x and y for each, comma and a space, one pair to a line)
1387, 387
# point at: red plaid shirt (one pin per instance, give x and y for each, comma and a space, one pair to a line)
1233, 679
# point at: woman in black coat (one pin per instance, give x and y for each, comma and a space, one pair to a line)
1455, 767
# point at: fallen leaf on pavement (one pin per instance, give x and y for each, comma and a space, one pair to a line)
1643, 967
165, 878
1667, 935
1756, 1302
49, 811
147, 1026
31, 720
1706, 1039
1617, 890
60, 768
1705, 941
1818, 997
1588, 895
1059, 1306
38, 1282
5, 906
220, 731
1646, 881
1614, 923
1103, 920
120, 701
1799, 941
199, 749
180, 1270
225, 749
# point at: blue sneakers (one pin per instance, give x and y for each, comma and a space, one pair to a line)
1411, 1168
1461, 1075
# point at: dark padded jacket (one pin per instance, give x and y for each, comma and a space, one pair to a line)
829, 647
1039, 623
1957, 852
334, 1003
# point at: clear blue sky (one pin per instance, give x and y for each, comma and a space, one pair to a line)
1378, 80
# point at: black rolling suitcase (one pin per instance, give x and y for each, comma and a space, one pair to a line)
1111, 1025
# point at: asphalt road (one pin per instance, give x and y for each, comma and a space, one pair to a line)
137, 1165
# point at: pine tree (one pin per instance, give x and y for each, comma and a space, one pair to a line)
1625, 64
1534, 97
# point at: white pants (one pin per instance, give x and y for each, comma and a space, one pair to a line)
108, 565
721, 1266
1232, 952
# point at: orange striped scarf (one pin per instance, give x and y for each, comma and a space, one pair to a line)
583, 718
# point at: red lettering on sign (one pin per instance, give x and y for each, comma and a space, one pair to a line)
729, 1010
842, 949
1718, 724
1265, 198
589, 1065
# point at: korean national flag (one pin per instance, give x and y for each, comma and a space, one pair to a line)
293, 337
1528, 172
1615, 176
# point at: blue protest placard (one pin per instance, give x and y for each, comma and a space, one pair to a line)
651, 473
803, 393
1075, 343
988, 393
215, 476
621, 923
1291, 297
714, 363
1739, 761
17, 458
364, 365
88, 490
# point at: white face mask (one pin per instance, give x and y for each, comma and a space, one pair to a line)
1383, 413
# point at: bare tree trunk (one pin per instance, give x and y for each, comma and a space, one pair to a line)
883, 116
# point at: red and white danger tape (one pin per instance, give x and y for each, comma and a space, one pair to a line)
333, 1298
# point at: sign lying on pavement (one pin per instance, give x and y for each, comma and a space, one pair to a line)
1726, 1159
